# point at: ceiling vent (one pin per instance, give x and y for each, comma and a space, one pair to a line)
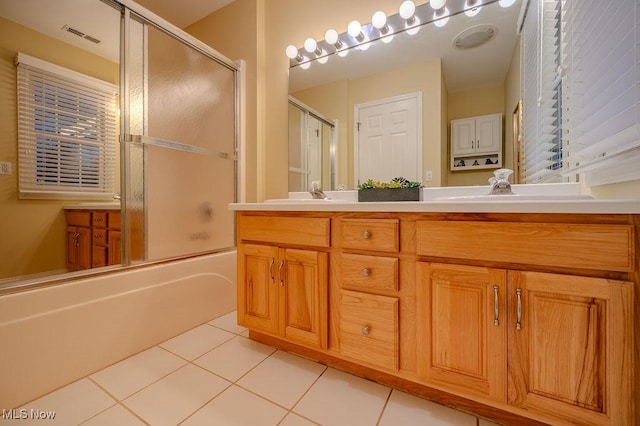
79, 33
474, 36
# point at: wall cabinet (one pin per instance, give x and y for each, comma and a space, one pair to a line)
476, 142
519, 317
282, 290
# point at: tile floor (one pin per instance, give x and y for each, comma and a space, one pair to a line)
214, 375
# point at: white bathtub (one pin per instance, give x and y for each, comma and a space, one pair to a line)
55, 335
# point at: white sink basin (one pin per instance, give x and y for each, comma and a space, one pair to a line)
516, 197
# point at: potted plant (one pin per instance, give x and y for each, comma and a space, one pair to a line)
399, 189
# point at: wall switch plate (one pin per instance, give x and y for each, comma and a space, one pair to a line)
5, 168
428, 176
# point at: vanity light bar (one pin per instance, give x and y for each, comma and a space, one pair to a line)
341, 44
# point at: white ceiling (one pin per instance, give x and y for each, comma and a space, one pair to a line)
183, 13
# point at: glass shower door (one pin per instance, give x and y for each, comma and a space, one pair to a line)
181, 143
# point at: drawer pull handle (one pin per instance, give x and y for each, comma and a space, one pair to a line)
519, 309
271, 262
280, 273
366, 272
496, 306
366, 330
366, 235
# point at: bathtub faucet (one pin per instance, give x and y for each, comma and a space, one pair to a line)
500, 182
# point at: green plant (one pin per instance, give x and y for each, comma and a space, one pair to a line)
398, 182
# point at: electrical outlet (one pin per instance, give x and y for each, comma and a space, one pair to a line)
5, 168
428, 176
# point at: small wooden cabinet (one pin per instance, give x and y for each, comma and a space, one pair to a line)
93, 238
283, 289
476, 142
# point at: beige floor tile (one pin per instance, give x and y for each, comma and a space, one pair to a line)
134, 373
282, 378
405, 409
234, 358
339, 399
293, 419
71, 404
237, 407
229, 322
116, 415
175, 397
197, 341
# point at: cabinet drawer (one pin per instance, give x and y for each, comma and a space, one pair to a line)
78, 218
602, 247
98, 256
369, 328
369, 272
370, 234
99, 236
307, 231
113, 220
99, 219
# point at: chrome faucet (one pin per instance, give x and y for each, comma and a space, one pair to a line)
316, 192
500, 182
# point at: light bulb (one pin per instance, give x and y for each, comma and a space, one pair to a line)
354, 29
506, 3
331, 36
323, 59
441, 17
414, 26
379, 19
438, 4
305, 65
292, 52
407, 9
310, 45
472, 7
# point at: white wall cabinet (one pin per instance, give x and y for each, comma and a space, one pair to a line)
476, 142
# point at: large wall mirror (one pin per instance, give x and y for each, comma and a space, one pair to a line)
474, 79
164, 182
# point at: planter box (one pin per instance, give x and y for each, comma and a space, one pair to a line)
389, 194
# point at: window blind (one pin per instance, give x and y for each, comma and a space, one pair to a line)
66, 132
542, 88
604, 142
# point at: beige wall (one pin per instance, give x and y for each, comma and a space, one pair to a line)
471, 103
337, 100
33, 231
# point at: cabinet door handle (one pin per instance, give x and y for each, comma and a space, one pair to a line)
366, 235
519, 309
273, 280
366, 330
280, 273
366, 272
496, 306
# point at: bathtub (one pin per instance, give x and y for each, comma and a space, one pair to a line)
55, 335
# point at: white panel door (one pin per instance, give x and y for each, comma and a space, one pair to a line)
388, 139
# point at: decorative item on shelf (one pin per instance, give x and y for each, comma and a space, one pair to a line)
399, 189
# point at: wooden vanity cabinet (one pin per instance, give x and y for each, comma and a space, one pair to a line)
282, 287
93, 238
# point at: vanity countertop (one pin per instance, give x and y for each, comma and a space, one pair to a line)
93, 206
453, 206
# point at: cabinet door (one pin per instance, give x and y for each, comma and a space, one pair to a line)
115, 250
72, 248
84, 248
488, 134
463, 134
303, 282
462, 340
257, 287
570, 347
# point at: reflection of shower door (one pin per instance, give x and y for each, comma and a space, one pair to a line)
182, 144
313, 150
305, 149
388, 139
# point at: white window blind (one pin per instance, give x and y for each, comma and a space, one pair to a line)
542, 88
603, 87
66, 132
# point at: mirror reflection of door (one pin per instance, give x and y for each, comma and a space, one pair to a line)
388, 139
